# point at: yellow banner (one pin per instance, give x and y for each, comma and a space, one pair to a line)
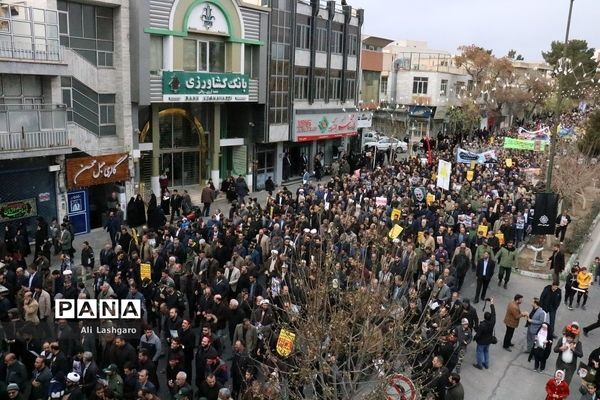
395, 231
430, 199
145, 271
509, 162
483, 229
470, 175
473, 163
285, 342
500, 237
396, 214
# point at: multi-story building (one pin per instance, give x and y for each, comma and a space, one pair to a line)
313, 79
414, 88
65, 122
199, 88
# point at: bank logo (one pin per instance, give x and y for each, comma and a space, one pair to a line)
207, 17
97, 309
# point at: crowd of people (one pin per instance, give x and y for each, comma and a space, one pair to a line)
222, 286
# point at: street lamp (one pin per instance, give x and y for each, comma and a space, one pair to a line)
556, 116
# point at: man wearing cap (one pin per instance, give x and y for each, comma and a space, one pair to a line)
73, 391
13, 391
115, 382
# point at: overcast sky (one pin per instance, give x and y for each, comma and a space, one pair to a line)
528, 26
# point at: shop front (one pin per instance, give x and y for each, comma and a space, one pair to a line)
23, 200
91, 182
323, 132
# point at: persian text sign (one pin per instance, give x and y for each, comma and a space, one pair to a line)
285, 342
90, 171
13, 210
523, 144
180, 86
309, 127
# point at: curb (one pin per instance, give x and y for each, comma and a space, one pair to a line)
537, 275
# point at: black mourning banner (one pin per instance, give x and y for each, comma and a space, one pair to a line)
544, 214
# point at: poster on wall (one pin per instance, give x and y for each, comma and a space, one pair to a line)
308, 127
365, 119
78, 211
14, 210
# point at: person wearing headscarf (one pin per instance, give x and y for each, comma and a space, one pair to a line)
569, 348
557, 388
541, 347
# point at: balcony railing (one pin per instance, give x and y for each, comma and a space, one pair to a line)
30, 51
33, 126
34, 140
29, 33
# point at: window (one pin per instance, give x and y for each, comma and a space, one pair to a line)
420, 85
353, 45
251, 61
107, 114
470, 85
203, 56
156, 54
335, 85
460, 88
301, 83
302, 36
320, 84
321, 39
384, 84
337, 42
444, 88
350, 89
89, 30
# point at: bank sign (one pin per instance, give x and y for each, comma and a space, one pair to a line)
181, 86
308, 127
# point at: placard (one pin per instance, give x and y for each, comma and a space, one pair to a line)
145, 271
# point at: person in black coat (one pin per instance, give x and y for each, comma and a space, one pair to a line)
484, 337
557, 263
550, 301
40, 238
132, 216
485, 272
140, 209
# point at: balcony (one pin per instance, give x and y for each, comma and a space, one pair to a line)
30, 130
29, 41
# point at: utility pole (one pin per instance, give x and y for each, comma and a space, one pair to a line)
556, 117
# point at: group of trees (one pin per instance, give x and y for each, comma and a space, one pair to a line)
499, 86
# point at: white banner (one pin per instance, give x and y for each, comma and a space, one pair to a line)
443, 174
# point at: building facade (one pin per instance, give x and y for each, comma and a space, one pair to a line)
413, 88
199, 98
62, 66
314, 64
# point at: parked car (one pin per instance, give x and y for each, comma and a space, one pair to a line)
386, 143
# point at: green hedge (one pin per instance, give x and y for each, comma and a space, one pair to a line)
581, 229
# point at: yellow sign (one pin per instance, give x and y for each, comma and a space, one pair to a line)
473, 162
145, 271
396, 214
500, 237
470, 175
430, 199
420, 237
483, 229
285, 342
509, 162
395, 231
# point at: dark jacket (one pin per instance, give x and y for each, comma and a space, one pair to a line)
557, 261
489, 273
455, 392
549, 300
485, 330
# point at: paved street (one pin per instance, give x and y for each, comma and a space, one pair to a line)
510, 375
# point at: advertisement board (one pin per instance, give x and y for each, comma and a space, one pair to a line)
308, 127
